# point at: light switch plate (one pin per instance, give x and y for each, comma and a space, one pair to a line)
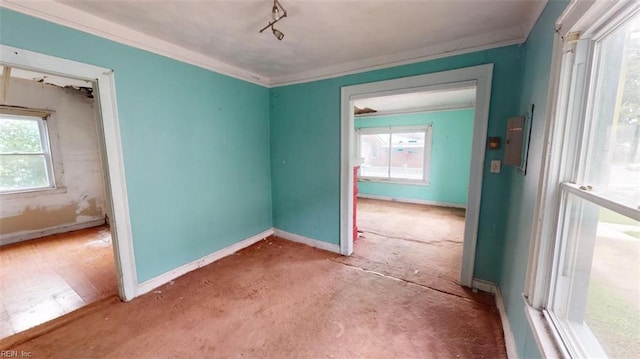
495, 166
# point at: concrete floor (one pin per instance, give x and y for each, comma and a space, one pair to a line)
282, 299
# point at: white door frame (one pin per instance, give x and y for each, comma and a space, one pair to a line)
103, 81
480, 75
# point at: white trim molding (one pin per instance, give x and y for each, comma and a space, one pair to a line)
10, 238
509, 339
308, 241
104, 86
414, 201
165, 278
383, 62
71, 17
461, 46
573, 78
544, 334
484, 286
74, 18
479, 76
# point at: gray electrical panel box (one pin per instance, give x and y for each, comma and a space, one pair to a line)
515, 138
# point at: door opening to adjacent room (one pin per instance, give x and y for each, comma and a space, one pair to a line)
411, 182
64, 226
56, 253
395, 155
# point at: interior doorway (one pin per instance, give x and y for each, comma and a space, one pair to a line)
105, 245
478, 78
56, 252
411, 182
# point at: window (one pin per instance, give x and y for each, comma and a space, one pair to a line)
589, 277
25, 155
396, 154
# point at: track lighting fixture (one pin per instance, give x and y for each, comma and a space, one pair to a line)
277, 13
277, 33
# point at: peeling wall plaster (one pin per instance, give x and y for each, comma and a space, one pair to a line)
82, 201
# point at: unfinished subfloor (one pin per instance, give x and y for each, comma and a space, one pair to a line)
279, 299
415, 242
45, 278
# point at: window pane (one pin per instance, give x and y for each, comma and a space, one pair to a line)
23, 172
407, 155
613, 163
19, 134
597, 293
374, 149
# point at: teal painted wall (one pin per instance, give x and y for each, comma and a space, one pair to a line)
305, 150
521, 206
452, 132
185, 129
195, 143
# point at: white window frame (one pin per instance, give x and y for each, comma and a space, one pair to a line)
579, 29
426, 129
48, 143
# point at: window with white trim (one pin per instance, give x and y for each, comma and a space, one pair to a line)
25, 154
395, 154
587, 280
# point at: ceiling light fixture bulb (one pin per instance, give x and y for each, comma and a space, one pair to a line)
278, 13
277, 33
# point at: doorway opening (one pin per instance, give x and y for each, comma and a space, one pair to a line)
475, 79
55, 254
65, 237
411, 182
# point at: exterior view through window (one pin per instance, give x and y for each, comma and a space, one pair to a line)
394, 154
595, 292
25, 161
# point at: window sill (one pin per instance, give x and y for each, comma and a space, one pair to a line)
406, 183
33, 193
545, 335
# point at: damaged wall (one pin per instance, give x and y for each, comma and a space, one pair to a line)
80, 202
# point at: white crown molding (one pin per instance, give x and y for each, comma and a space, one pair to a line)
381, 62
535, 15
68, 16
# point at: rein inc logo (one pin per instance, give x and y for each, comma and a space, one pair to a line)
15, 354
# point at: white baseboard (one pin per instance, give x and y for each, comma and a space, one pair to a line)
415, 201
308, 241
156, 282
10, 238
162, 279
484, 286
509, 340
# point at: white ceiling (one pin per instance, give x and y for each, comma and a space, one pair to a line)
428, 100
323, 38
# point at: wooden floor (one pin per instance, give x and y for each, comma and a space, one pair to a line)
44, 278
